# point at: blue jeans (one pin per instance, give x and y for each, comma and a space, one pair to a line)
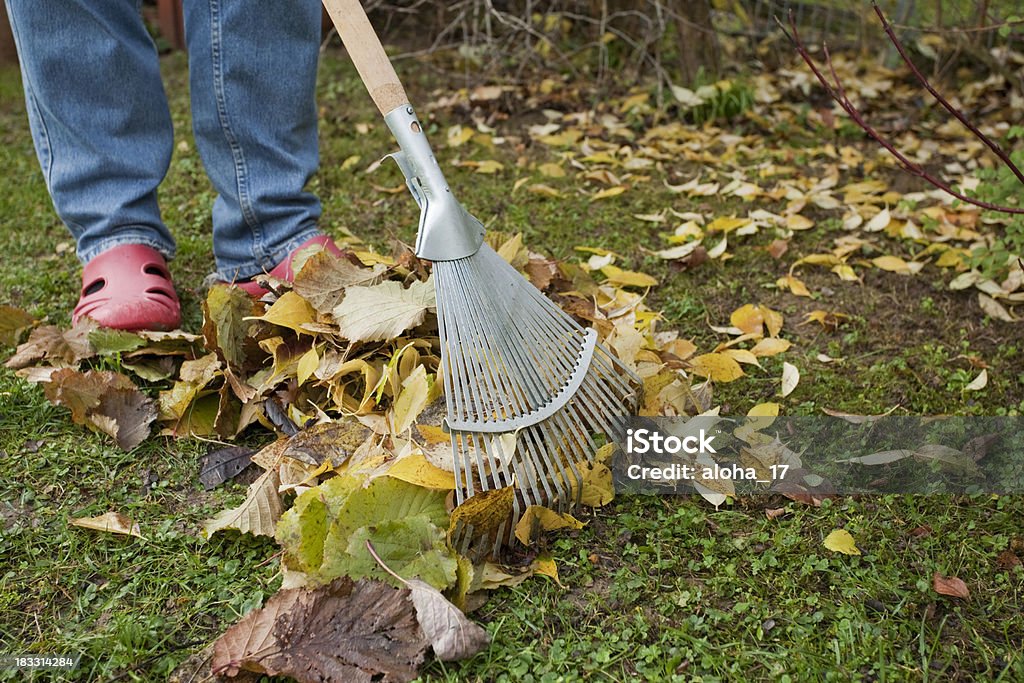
103, 134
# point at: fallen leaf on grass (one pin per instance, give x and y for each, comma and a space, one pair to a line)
452, 636
990, 306
538, 518
950, 585
790, 378
105, 401
257, 515
841, 541
383, 311
55, 346
345, 631
770, 346
13, 321
979, 382
110, 522
716, 366
223, 464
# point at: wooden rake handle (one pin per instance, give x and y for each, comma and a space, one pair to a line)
367, 54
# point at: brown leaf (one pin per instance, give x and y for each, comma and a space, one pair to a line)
340, 633
131, 413
774, 513
778, 248
324, 277
55, 346
107, 401
452, 636
13, 321
1008, 560
950, 585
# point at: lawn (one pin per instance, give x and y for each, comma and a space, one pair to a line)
653, 588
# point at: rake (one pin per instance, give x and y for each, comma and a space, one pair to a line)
514, 363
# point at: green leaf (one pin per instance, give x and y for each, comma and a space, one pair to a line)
224, 325
107, 342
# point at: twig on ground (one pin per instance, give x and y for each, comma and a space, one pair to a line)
837, 92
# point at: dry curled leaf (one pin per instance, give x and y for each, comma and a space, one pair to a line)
950, 585
110, 522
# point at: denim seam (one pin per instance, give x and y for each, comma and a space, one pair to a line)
241, 274
32, 102
121, 240
241, 176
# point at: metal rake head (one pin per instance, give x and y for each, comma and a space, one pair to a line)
529, 391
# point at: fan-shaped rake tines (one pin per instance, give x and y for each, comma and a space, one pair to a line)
530, 392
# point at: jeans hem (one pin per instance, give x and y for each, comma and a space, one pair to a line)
123, 238
250, 270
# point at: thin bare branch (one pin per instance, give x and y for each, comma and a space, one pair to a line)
837, 93
991, 144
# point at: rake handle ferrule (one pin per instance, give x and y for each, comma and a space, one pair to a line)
367, 53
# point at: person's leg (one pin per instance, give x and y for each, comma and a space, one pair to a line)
253, 79
98, 116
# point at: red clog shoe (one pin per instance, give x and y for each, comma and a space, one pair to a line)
129, 288
283, 270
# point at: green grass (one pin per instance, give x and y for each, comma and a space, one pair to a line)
655, 588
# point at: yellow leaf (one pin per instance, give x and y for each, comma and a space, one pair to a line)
879, 222
845, 273
840, 541
795, 285
551, 170
459, 135
291, 311
772, 320
770, 346
951, 258
627, 278
748, 318
742, 356
790, 378
543, 190
110, 522
609, 192
486, 512
416, 469
308, 364
764, 410
598, 487
350, 162
538, 518
893, 264
818, 260
726, 224
545, 566
411, 402
490, 166
717, 367
798, 222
